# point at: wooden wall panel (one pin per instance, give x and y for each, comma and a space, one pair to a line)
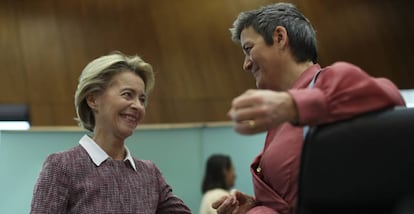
376, 35
13, 80
45, 45
199, 73
43, 61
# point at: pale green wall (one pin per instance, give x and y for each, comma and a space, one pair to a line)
180, 153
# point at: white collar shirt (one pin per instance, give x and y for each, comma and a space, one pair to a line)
98, 155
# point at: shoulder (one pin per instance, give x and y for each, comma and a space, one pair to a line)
61, 161
343, 73
146, 165
74, 154
343, 67
71, 154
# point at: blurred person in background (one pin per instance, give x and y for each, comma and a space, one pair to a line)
219, 177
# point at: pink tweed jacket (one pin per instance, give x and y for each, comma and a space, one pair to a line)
71, 183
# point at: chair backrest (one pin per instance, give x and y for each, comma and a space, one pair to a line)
362, 165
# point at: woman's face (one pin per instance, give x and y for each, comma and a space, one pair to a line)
230, 177
265, 62
120, 108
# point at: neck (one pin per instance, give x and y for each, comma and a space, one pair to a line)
302, 67
115, 148
296, 71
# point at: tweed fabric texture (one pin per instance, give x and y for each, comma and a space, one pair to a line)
71, 183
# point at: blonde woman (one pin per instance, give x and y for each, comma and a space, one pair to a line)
100, 175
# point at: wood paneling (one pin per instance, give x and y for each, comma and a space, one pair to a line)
13, 79
377, 36
45, 44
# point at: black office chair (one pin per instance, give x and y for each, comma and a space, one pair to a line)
363, 165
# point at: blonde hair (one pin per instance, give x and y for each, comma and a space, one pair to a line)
96, 76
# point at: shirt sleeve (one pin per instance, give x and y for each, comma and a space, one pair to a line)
51, 190
342, 91
168, 203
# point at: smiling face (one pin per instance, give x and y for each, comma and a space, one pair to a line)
267, 63
120, 107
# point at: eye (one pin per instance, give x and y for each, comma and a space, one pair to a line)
142, 99
247, 49
127, 94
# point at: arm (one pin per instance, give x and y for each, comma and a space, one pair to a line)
343, 91
52, 188
168, 202
340, 92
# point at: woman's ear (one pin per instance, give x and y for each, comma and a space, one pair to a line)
280, 36
91, 100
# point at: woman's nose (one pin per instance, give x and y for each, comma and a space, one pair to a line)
137, 103
139, 106
247, 65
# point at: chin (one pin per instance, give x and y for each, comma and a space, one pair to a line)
128, 132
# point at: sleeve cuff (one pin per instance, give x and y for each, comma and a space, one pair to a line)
310, 104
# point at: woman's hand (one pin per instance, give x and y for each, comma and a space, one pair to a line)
257, 111
235, 203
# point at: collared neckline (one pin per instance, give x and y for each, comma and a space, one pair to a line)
305, 78
98, 155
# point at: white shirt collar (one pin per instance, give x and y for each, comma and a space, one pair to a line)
98, 155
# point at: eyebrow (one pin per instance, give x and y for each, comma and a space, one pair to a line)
127, 88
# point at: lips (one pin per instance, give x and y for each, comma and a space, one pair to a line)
131, 118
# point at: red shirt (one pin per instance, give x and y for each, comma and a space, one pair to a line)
341, 91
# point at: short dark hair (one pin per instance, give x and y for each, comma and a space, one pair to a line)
264, 20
